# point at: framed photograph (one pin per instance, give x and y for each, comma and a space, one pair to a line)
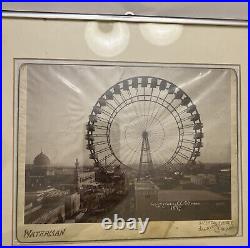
118, 135
126, 146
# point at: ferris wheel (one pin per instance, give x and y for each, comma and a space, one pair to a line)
144, 123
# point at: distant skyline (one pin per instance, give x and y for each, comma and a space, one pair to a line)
61, 97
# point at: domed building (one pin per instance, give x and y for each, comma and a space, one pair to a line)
37, 176
41, 160
41, 165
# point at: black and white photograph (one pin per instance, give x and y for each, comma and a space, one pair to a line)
129, 141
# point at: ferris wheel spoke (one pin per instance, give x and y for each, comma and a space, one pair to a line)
163, 100
156, 113
157, 138
131, 140
160, 122
136, 139
128, 155
134, 154
149, 106
157, 132
144, 109
166, 119
142, 116
134, 107
152, 114
161, 109
155, 101
153, 118
136, 127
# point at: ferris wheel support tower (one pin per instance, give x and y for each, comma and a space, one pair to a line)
146, 163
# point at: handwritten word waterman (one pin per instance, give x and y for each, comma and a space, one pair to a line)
50, 233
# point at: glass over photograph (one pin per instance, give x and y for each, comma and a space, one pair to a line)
127, 140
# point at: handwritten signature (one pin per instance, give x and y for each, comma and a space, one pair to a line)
215, 226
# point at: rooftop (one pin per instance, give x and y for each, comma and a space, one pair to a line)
145, 185
189, 195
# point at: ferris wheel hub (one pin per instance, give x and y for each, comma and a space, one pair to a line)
144, 134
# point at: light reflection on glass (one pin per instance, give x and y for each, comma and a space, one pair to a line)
107, 43
161, 34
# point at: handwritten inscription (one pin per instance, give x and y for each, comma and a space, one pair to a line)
28, 233
215, 226
174, 206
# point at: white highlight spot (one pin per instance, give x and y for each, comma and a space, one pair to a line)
107, 44
161, 34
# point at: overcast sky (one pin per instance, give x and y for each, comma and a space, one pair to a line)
61, 97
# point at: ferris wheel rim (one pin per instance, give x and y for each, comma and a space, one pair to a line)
191, 158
